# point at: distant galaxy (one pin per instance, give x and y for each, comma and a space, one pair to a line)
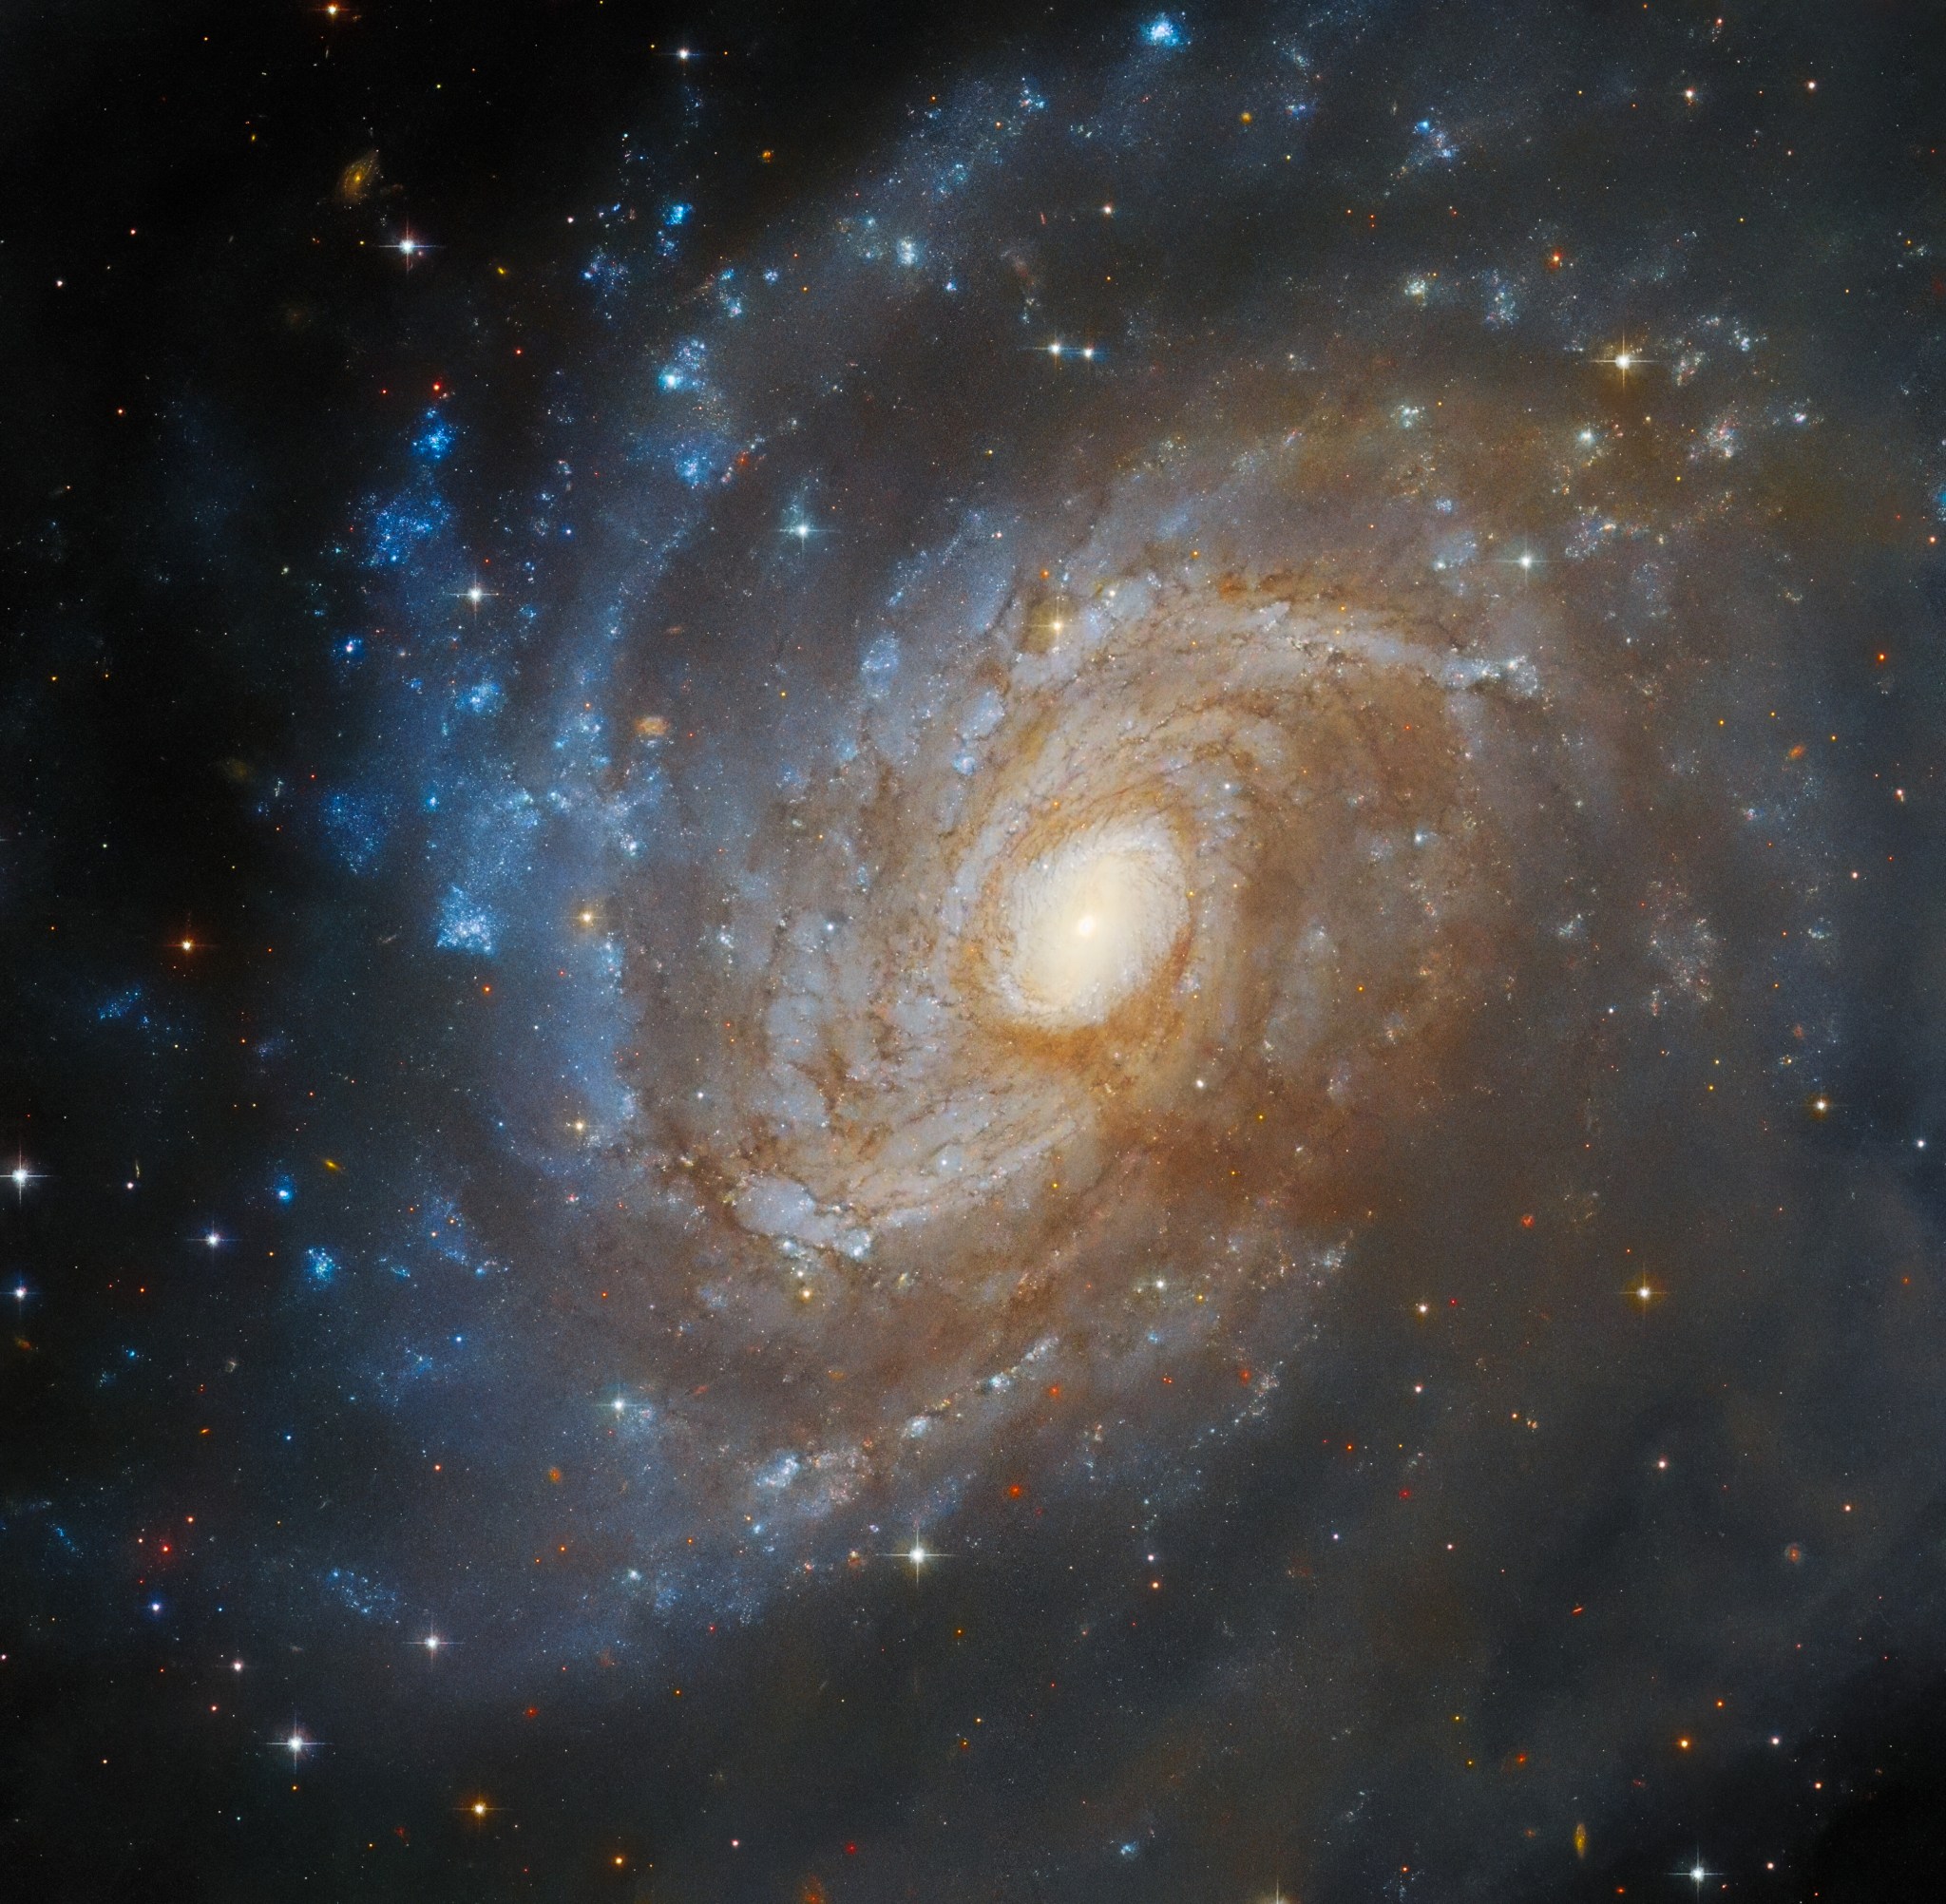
980, 960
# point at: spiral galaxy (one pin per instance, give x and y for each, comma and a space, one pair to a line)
1173, 879
1024, 985
1084, 821
1044, 850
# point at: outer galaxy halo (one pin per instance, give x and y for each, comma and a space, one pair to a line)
981, 958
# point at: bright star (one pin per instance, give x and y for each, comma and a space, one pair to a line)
1625, 358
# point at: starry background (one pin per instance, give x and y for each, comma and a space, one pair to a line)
460, 468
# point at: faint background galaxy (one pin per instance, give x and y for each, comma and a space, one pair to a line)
977, 956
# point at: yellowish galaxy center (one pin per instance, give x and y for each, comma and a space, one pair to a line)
1090, 923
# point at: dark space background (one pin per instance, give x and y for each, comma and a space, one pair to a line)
237, 1009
